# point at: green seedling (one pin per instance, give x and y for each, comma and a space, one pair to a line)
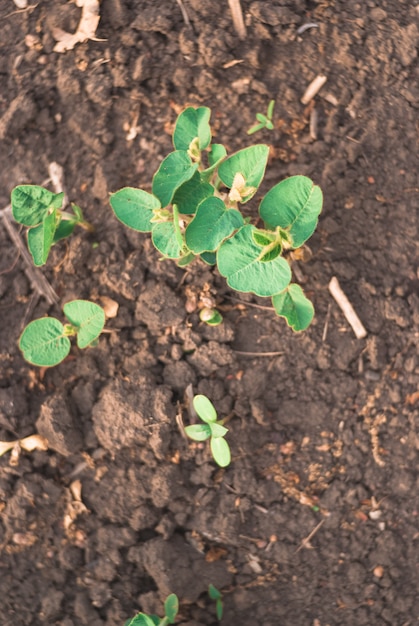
40, 211
216, 595
194, 212
211, 429
45, 342
171, 608
264, 121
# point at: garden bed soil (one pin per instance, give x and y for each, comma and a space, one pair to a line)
315, 522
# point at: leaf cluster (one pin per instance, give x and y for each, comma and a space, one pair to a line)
45, 341
171, 608
193, 212
211, 429
40, 211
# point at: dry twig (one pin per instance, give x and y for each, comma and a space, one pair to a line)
237, 15
347, 308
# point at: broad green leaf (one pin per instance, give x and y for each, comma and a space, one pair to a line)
250, 163
171, 607
192, 123
198, 432
64, 229
220, 451
141, 619
213, 592
204, 408
31, 203
211, 225
134, 208
210, 258
43, 342
41, 238
239, 261
173, 172
88, 317
165, 239
218, 430
294, 306
295, 204
191, 194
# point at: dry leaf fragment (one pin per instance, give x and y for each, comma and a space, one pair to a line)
29, 444
86, 29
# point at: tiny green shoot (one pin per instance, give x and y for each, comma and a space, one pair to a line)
45, 342
211, 429
263, 121
40, 211
216, 595
171, 609
193, 212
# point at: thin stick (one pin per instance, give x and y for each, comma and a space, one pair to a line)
37, 279
326, 323
306, 540
237, 15
184, 13
347, 308
253, 304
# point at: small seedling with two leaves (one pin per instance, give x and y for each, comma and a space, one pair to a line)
45, 342
216, 595
211, 429
40, 211
193, 212
171, 608
264, 121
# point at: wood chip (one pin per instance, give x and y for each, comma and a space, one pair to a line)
313, 88
347, 309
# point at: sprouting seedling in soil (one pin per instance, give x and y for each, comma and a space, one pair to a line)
40, 211
264, 121
193, 212
45, 342
171, 608
216, 595
211, 429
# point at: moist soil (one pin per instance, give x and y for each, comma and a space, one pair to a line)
315, 522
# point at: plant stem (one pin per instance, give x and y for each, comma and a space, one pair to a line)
178, 232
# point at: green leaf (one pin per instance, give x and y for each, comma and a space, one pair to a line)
198, 432
255, 128
220, 451
215, 156
191, 194
173, 172
261, 118
31, 203
270, 110
294, 204
250, 163
40, 239
88, 317
204, 408
213, 592
134, 208
171, 607
165, 239
210, 258
141, 619
263, 238
294, 306
211, 225
192, 123
43, 342
183, 261
239, 260
219, 609
218, 430
64, 230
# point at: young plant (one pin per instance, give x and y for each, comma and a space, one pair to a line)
216, 595
211, 429
193, 212
40, 211
171, 608
264, 121
45, 342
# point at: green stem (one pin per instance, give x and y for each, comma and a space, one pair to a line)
73, 218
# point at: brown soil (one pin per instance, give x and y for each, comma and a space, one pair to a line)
315, 522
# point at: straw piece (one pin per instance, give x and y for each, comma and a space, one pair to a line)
313, 88
237, 15
347, 308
